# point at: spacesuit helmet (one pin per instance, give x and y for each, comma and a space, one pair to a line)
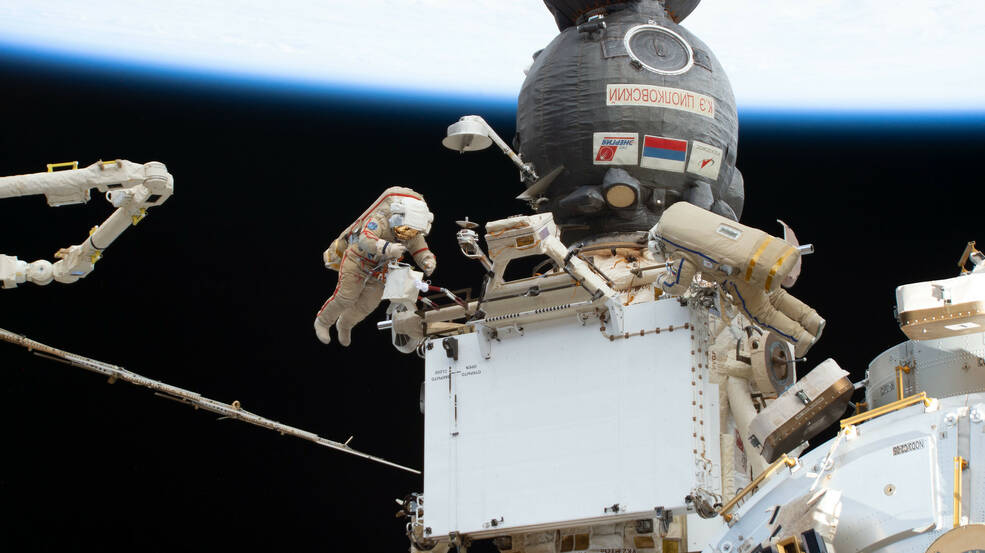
410, 212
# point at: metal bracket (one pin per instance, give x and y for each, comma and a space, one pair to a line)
616, 323
451, 347
493, 523
802, 396
509, 331
486, 336
664, 517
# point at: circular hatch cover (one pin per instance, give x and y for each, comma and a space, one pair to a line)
658, 49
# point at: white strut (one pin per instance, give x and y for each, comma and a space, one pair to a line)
130, 187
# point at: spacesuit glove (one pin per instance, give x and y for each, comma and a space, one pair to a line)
393, 250
428, 266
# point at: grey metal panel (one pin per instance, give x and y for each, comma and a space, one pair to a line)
563, 103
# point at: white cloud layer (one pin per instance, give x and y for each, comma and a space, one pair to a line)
846, 54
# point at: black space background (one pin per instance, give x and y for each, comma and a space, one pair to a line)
216, 291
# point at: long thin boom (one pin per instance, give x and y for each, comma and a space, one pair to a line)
232, 411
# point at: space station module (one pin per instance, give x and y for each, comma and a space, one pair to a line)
748, 264
396, 223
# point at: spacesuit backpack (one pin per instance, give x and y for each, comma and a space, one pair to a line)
720, 248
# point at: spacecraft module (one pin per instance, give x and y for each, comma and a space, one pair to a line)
624, 113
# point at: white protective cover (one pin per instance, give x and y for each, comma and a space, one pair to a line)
789, 406
403, 284
934, 293
942, 308
560, 423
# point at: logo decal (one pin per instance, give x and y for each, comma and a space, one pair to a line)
705, 160
615, 148
372, 225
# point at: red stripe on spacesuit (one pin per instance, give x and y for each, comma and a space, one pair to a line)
365, 259
337, 284
419, 251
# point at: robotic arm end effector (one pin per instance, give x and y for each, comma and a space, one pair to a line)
14, 271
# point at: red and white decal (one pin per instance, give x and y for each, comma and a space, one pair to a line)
615, 148
706, 160
659, 97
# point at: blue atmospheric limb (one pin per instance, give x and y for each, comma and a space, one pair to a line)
813, 121
104, 67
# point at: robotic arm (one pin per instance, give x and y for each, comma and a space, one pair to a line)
130, 187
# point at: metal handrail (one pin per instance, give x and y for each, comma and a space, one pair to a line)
783, 460
888, 408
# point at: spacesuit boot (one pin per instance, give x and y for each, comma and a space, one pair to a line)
345, 333
322, 332
805, 341
798, 311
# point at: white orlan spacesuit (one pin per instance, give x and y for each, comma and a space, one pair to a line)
748, 264
395, 224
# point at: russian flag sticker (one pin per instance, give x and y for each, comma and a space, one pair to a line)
664, 154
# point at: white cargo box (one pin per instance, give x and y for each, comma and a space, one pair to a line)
561, 424
940, 308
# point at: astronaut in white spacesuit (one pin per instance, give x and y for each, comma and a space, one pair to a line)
394, 225
748, 264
